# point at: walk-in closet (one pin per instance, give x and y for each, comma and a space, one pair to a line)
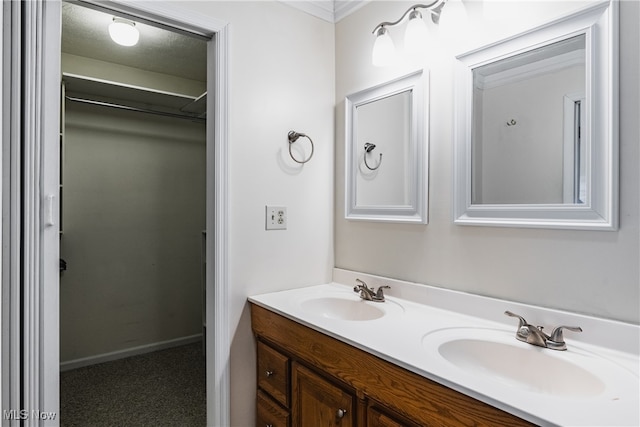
133, 169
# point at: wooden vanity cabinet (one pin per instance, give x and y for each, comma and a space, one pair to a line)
321, 381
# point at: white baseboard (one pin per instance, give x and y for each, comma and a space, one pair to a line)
127, 352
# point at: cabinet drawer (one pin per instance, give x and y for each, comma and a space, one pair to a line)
269, 413
273, 373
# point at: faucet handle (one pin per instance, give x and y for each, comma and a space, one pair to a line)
360, 286
556, 340
361, 282
524, 328
363, 290
522, 321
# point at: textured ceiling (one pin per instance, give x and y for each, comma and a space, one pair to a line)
85, 33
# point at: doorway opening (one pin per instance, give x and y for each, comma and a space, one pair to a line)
132, 221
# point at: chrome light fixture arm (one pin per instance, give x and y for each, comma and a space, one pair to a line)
434, 8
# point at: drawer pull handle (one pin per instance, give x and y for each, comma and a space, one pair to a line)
269, 425
269, 373
341, 413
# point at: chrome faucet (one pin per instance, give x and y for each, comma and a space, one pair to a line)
370, 294
534, 334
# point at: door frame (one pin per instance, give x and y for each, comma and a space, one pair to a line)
39, 246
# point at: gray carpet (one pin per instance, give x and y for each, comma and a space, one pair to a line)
165, 388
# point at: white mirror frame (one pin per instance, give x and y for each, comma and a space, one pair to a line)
416, 211
599, 23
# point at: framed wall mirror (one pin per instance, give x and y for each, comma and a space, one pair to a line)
386, 151
536, 126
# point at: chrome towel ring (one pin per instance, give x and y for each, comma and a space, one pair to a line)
293, 137
369, 147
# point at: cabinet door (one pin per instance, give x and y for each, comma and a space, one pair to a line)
319, 403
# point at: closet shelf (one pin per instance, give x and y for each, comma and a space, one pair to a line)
197, 106
132, 96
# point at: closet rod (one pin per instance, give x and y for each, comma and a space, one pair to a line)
139, 110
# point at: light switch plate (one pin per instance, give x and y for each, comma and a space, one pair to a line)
275, 218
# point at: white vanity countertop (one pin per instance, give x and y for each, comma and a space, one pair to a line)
400, 337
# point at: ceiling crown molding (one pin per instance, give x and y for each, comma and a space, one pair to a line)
328, 10
343, 8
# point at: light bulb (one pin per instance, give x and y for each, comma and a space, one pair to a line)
453, 21
416, 34
124, 32
383, 49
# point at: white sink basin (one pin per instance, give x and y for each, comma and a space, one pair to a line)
522, 367
496, 355
346, 306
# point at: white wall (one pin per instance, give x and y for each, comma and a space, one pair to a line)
587, 272
282, 79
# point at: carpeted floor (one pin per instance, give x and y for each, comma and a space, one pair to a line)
165, 388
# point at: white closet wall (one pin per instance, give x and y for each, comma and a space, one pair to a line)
133, 213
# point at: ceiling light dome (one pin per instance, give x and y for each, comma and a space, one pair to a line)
124, 32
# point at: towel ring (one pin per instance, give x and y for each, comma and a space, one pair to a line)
293, 137
369, 147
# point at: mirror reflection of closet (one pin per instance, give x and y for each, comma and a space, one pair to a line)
133, 168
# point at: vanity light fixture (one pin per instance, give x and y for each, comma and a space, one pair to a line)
383, 48
414, 37
124, 32
415, 34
